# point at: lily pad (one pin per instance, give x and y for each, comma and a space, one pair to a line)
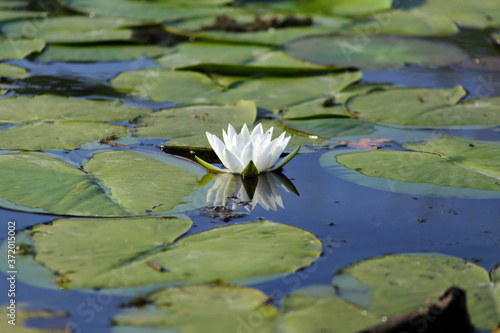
21, 109
187, 126
222, 307
375, 52
75, 29
332, 106
102, 188
457, 168
161, 10
11, 71
91, 53
236, 59
22, 316
272, 93
396, 284
181, 87
482, 15
426, 107
58, 135
319, 309
260, 250
8, 15
14, 4
330, 127
17, 49
407, 23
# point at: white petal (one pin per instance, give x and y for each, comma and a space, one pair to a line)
262, 159
233, 163
218, 147
247, 154
245, 135
257, 131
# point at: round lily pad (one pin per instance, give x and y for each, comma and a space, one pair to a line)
58, 135
187, 126
426, 107
397, 284
220, 306
374, 52
441, 167
103, 187
146, 255
8, 15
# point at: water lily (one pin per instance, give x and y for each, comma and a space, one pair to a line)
249, 153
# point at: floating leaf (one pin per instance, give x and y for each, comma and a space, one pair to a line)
11, 48
181, 87
222, 307
52, 108
14, 3
458, 168
272, 93
8, 15
407, 23
187, 126
396, 284
330, 127
365, 143
100, 52
481, 15
374, 52
75, 29
258, 250
58, 135
103, 188
318, 309
11, 71
426, 107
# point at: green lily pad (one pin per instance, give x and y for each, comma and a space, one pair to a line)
22, 316
426, 107
318, 309
236, 59
272, 93
495, 273
91, 53
375, 52
187, 126
481, 15
457, 168
181, 87
58, 135
17, 49
102, 188
330, 127
334, 106
75, 29
222, 307
13, 4
397, 284
259, 250
11, 71
52, 108
328, 7
407, 23
8, 15
161, 10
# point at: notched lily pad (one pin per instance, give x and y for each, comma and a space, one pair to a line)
396, 284
220, 306
447, 167
102, 188
259, 251
17, 49
375, 52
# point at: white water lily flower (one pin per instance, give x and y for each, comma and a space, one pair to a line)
249, 153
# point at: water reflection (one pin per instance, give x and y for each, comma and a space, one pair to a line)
234, 191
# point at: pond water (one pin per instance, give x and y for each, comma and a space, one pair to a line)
354, 222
